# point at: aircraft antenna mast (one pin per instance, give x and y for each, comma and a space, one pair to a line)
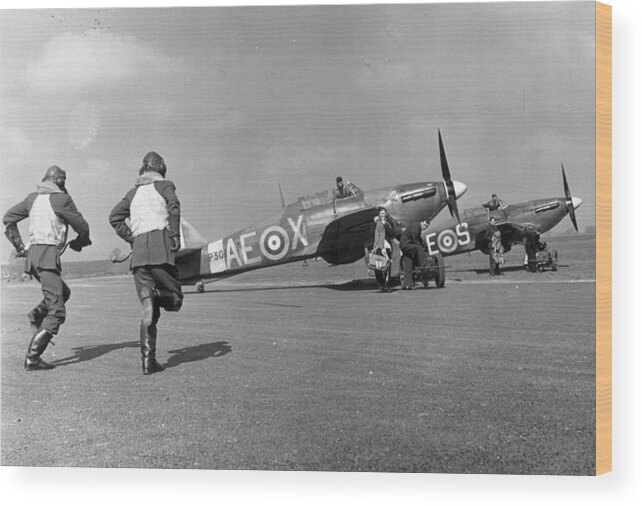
283, 203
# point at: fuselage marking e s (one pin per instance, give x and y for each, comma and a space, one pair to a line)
448, 240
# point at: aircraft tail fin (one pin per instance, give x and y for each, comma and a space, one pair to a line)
190, 237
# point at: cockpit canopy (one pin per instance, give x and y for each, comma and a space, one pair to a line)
328, 196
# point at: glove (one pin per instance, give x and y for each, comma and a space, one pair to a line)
75, 245
175, 243
13, 234
78, 243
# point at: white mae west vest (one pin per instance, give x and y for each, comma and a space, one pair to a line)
45, 228
148, 210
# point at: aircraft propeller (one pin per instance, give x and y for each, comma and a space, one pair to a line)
569, 202
446, 174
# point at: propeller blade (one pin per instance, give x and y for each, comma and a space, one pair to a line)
446, 174
569, 203
568, 194
453, 208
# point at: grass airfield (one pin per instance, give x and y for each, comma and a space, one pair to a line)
308, 368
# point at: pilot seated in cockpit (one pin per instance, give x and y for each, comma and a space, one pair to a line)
341, 191
495, 203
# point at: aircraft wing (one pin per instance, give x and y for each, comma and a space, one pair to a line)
514, 231
344, 238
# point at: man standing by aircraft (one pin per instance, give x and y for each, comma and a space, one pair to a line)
154, 214
494, 244
413, 247
50, 210
532, 238
383, 231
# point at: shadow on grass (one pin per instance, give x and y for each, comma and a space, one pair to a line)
197, 353
92, 352
363, 284
509, 269
485, 271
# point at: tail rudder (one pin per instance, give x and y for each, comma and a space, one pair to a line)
190, 237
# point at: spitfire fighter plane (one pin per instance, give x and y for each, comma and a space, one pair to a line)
468, 234
337, 230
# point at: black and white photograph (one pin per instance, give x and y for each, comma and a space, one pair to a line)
300, 238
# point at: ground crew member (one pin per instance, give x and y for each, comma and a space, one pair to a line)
50, 210
495, 203
494, 244
413, 248
154, 214
383, 232
532, 239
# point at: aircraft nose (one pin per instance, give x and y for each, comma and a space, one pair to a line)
576, 201
460, 188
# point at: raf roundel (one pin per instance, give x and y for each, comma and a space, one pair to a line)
447, 241
274, 243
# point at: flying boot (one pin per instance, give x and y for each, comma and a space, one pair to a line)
150, 315
37, 346
148, 349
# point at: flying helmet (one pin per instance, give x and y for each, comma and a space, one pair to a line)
56, 175
153, 162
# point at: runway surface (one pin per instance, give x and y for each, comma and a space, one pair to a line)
308, 368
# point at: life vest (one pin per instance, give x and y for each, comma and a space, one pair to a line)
45, 227
148, 210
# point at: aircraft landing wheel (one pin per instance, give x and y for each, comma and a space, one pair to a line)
200, 287
440, 274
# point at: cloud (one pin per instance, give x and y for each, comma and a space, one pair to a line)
95, 58
82, 125
16, 146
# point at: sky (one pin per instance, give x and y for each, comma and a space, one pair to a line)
240, 100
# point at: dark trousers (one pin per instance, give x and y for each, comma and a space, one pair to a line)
164, 279
412, 256
166, 294
532, 265
415, 252
56, 293
494, 267
407, 265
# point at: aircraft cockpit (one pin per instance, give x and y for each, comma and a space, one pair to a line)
328, 196
353, 190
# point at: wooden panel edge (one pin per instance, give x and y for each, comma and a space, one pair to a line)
603, 238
